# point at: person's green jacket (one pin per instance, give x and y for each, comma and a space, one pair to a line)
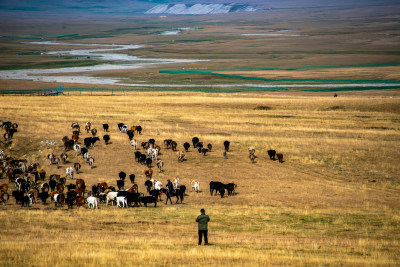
203, 220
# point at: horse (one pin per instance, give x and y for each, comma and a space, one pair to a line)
179, 194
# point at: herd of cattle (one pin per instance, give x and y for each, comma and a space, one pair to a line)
32, 185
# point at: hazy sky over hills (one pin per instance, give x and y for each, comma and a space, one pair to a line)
21, 9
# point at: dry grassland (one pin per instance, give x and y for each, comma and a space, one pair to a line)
334, 201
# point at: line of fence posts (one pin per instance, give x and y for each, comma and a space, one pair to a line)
46, 92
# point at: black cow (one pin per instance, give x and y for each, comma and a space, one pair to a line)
226, 145
71, 199
199, 146
195, 140
148, 199
130, 134
87, 142
209, 146
139, 129
120, 126
69, 144
148, 162
93, 140
155, 193
17, 195
148, 184
271, 154
106, 138
122, 175
52, 184
152, 141
105, 127
173, 145
133, 198
132, 178
25, 200
143, 158
120, 184
186, 146
43, 196
230, 187
167, 143
71, 187
137, 156
217, 186
84, 151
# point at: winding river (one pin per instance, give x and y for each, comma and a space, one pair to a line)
113, 53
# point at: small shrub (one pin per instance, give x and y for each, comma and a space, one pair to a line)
262, 108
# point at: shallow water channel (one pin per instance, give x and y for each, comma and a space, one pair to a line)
118, 60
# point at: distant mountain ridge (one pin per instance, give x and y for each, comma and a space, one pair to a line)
71, 9
199, 9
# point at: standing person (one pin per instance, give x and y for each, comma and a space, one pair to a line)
170, 187
202, 221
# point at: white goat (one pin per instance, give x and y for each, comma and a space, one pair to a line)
111, 197
122, 202
92, 202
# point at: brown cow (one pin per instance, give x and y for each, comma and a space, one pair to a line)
10, 175
280, 157
35, 194
79, 192
60, 188
3, 188
102, 185
133, 189
75, 137
148, 173
4, 197
80, 201
42, 174
80, 183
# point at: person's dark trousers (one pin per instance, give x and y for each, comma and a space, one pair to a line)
201, 233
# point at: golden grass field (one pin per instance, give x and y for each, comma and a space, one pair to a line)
334, 201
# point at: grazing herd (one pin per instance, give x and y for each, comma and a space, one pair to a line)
31, 185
